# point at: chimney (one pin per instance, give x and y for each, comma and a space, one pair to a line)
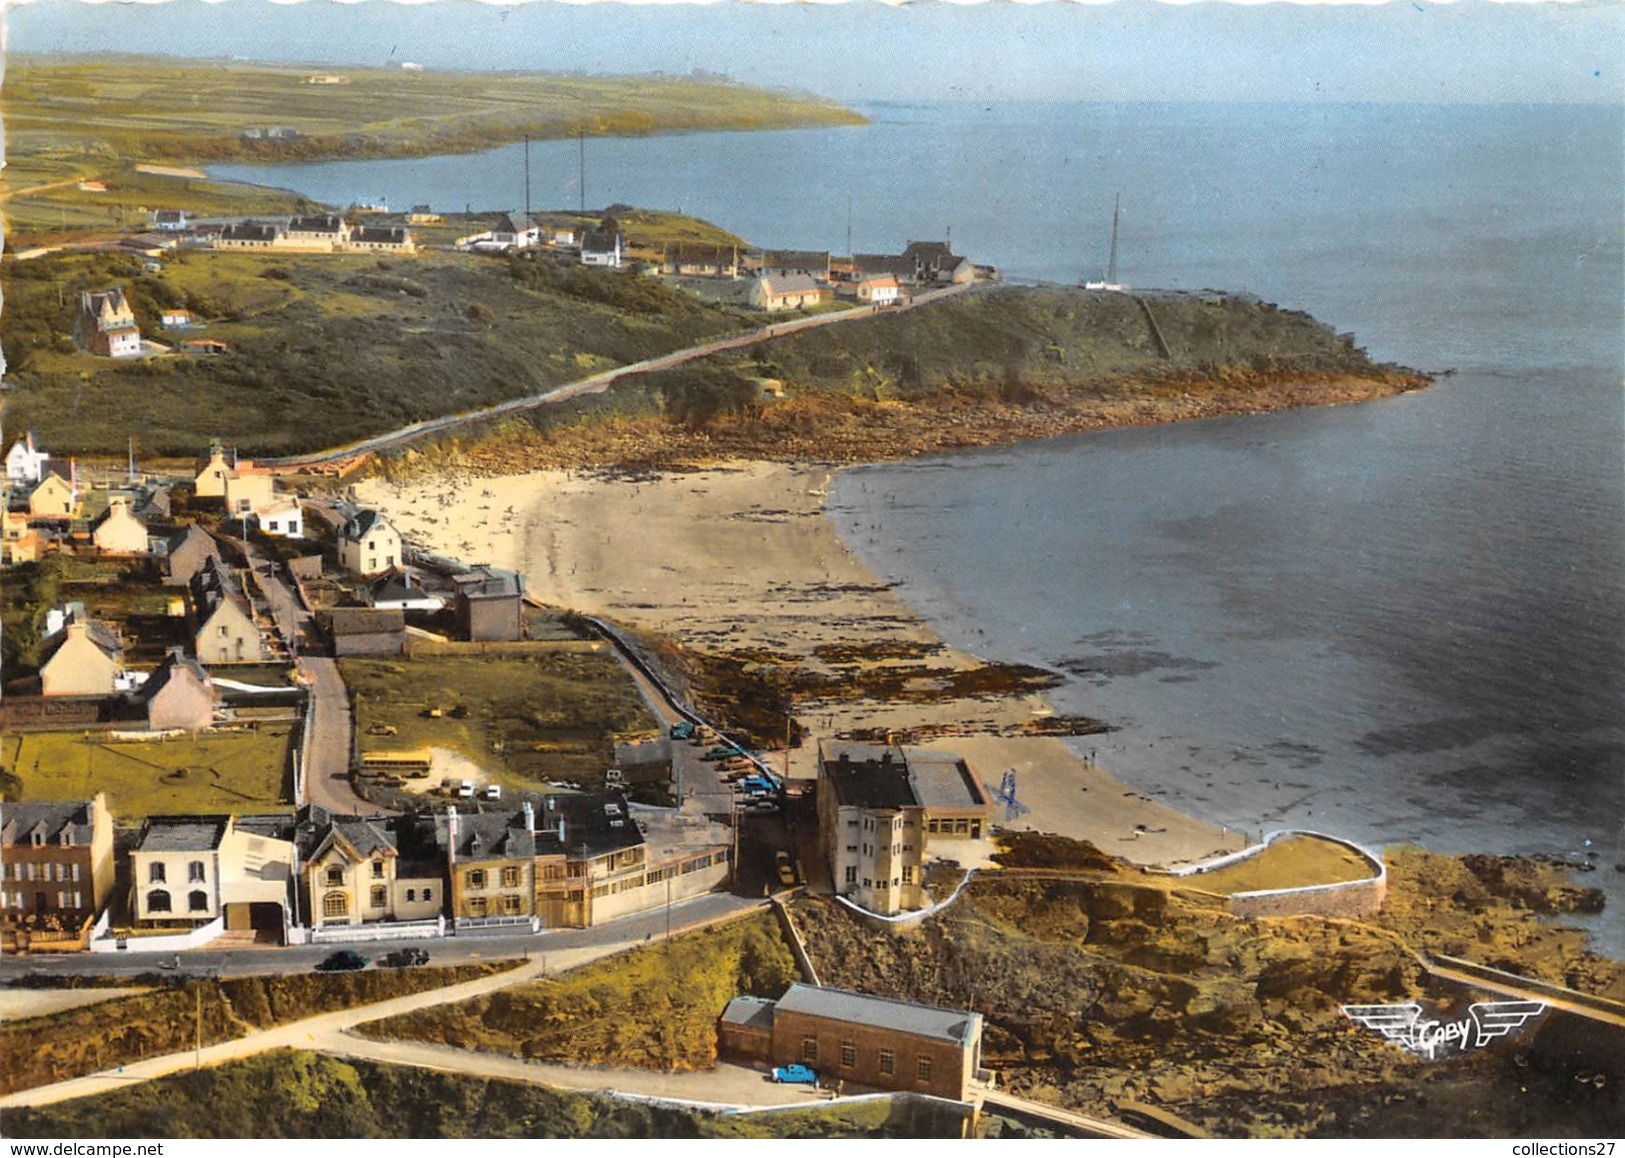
530, 817
451, 836
561, 832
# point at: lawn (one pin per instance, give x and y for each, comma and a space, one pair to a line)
546, 716
212, 773
655, 1007
1291, 863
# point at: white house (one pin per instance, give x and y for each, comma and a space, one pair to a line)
284, 517
368, 545
878, 290
25, 462
601, 247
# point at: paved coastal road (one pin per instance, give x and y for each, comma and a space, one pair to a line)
598, 383
550, 953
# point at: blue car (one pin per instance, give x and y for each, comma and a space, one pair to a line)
795, 1074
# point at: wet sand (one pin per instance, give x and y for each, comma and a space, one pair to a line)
742, 558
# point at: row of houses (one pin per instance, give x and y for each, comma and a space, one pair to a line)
315, 233
560, 861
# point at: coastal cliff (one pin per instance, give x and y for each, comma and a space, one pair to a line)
1001, 365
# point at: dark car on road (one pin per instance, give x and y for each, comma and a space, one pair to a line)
344, 961
403, 958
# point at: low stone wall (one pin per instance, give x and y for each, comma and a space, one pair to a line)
1354, 899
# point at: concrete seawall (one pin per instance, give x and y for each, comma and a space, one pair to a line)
1357, 898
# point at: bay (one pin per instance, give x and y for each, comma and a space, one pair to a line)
1403, 621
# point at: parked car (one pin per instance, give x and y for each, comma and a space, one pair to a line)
682, 730
344, 961
787, 870
796, 1073
493, 792
760, 808
466, 789
404, 958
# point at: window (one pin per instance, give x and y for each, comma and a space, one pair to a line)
377, 870
197, 901
476, 907
335, 876
888, 1062
476, 878
78, 899
379, 898
510, 877
222, 631
428, 894
155, 873
158, 901
411, 894
510, 905
76, 872
922, 1068
867, 883
194, 872
851, 848
335, 905
851, 874
849, 1054
976, 829
34, 868
809, 1050
908, 874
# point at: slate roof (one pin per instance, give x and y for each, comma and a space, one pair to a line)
750, 1013
404, 836
868, 775
486, 836
250, 231
956, 1026
176, 665
181, 833
489, 583
103, 636
781, 282
595, 824
316, 223
796, 259
882, 263
51, 818
602, 241
360, 524
379, 234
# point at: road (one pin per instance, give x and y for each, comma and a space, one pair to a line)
268, 960
329, 1030
598, 383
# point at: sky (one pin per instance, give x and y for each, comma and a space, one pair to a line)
1128, 50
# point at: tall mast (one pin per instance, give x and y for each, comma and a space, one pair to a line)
1111, 268
527, 181
581, 176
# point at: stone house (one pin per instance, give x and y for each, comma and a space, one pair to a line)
178, 694
225, 629
56, 863
848, 1037
118, 531
188, 551
54, 498
368, 544
210, 480
105, 324
358, 870
247, 489
489, 604
787, 291
84, 657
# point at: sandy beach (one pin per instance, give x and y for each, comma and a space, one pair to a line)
739, 559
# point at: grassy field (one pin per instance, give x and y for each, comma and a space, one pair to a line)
225, 772
69, 119
548, 716
298, 1094
325, 349
655, 1007
199, 110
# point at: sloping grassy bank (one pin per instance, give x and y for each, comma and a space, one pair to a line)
1002, 365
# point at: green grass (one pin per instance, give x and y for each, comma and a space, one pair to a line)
300, 1094
325, 349
199, 110
214, 773
655, 1007
553, 714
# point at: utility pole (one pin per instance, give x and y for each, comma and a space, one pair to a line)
581, 166
527, 180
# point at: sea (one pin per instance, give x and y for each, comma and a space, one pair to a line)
1400, 621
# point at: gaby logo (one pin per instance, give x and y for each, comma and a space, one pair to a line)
1486, 1021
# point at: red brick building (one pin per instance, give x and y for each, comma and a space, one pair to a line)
858, 1040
